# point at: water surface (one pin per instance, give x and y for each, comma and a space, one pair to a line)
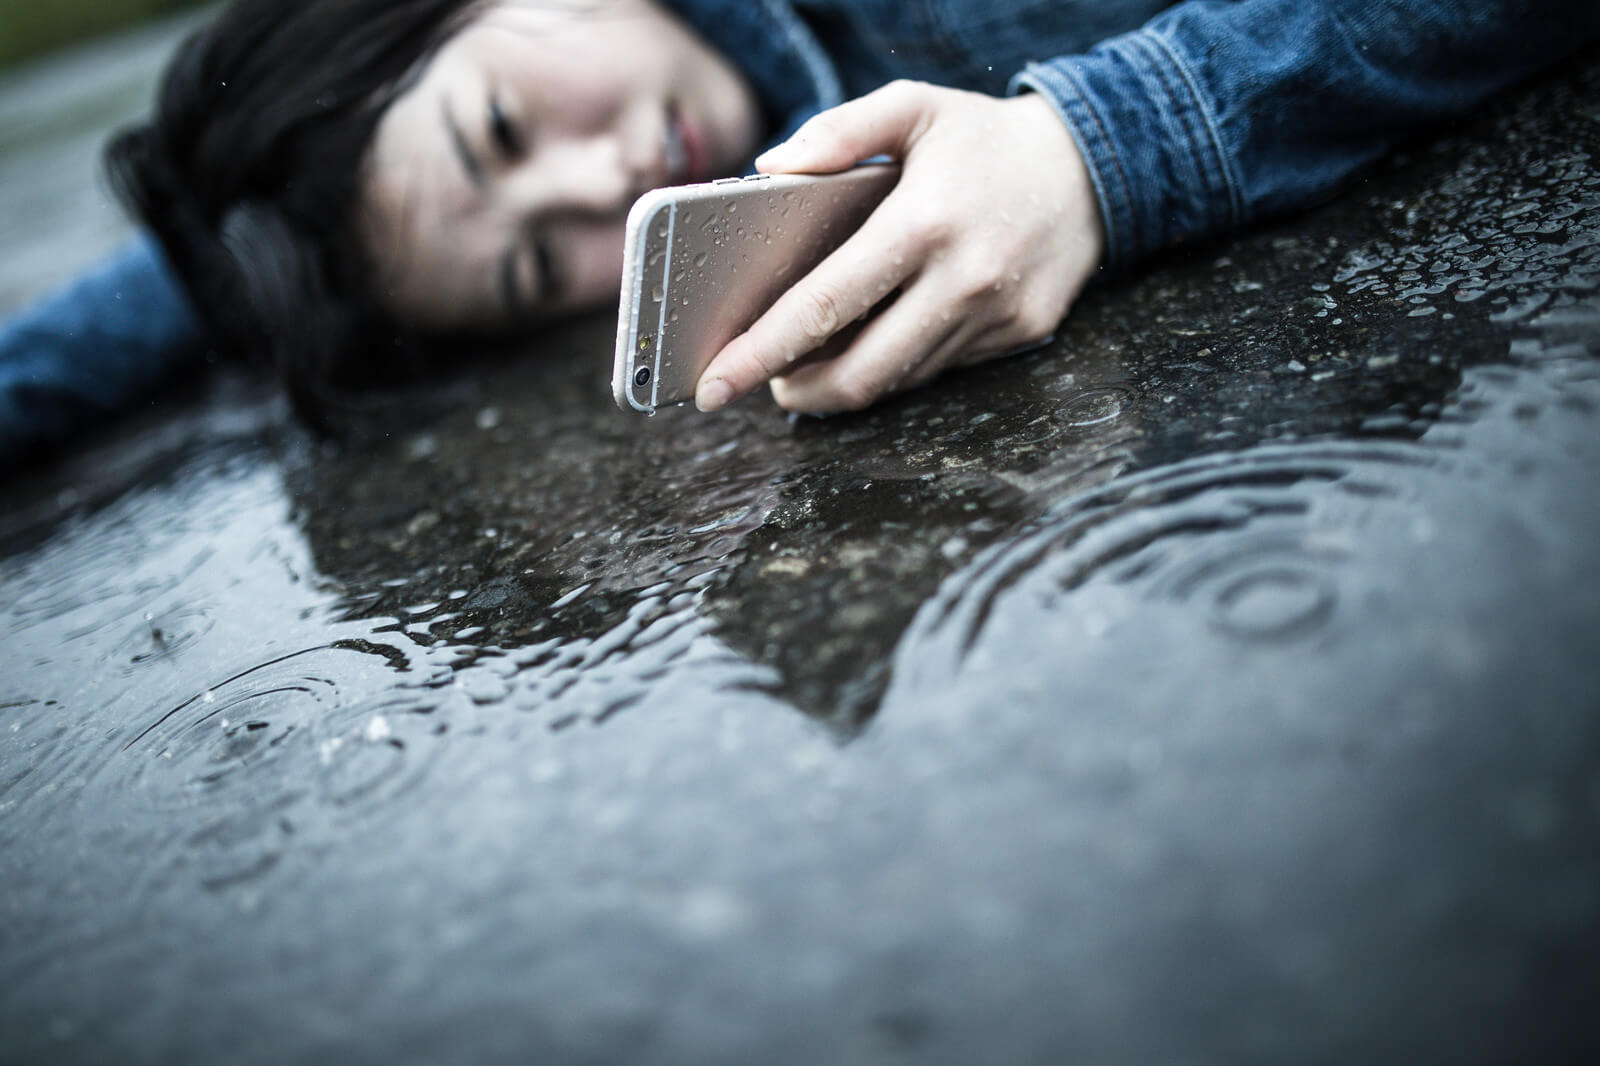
1214, 686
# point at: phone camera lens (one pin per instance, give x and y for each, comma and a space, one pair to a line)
641, 377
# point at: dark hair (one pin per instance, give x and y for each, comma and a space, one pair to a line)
249, 174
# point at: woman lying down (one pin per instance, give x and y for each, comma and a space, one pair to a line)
339, 187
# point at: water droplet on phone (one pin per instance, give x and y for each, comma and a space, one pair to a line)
700, 260
658, 293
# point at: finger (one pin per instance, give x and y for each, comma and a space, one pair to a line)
932, 326
852, 280
884, 122
974, 348
957, 351
1001, 344
971, 349
975, 341
836, 346
821, 391
981, 346
893, 347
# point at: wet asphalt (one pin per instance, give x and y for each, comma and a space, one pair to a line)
1214, 686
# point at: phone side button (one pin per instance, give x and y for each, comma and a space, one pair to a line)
726, 181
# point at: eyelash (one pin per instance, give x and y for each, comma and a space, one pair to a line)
549, 280
503, 133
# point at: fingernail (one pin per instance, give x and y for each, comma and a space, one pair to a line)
713, 395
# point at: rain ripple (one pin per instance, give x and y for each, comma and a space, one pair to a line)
160, 637
272, 749
1246, 539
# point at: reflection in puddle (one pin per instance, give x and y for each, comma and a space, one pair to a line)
1202, 624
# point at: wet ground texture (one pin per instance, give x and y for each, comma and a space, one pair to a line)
1215, 686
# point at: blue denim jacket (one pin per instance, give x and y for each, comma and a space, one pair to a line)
1194, 118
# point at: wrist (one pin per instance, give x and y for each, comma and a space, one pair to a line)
1063, 165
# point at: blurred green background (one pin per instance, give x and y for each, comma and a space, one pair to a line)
30, 28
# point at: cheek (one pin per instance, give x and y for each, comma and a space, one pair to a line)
594, 264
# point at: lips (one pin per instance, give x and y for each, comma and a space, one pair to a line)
685, 150
677, 150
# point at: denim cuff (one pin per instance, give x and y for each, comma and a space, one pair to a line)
1150, 140
95, 348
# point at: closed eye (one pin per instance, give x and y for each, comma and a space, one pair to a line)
503, 133
550, 283
547, 285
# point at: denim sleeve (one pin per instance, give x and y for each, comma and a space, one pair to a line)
92, 349
1218, 112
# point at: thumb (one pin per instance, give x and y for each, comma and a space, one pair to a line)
886, 121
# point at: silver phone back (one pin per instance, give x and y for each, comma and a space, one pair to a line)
702, 262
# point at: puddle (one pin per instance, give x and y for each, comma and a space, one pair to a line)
1251, 620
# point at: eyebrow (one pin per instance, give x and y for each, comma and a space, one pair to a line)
469, 162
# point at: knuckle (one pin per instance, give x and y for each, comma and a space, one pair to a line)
765, 363
825, 127
1036, 317
745, 362
904, 89
982, 281
930, 225
819, 314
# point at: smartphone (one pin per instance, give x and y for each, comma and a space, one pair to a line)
702, 262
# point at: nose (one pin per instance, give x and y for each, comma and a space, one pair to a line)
586, 177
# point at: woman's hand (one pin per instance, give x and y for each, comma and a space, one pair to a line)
988, 238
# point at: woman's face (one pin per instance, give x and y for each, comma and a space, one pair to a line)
497, 185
